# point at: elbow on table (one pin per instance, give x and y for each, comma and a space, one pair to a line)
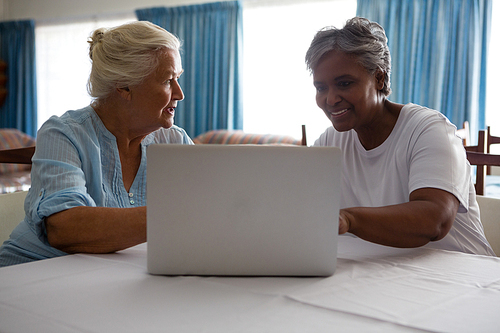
54, 236
443, 226
59, 235
438, 209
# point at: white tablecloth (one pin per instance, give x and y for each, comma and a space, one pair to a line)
374, 289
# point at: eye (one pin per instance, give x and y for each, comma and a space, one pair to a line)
320, 88
170, 81
344, 84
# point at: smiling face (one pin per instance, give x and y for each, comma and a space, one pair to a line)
345, 91
153, 102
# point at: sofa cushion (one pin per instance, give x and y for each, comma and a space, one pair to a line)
14, 138
15, 181
240, 137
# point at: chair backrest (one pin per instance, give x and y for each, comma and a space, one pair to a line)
17, 155
482, 160
16, 150
490, 140
490, 212
481, 143
481, 170
303, 141
11, 212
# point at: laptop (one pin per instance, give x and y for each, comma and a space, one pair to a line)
242, 210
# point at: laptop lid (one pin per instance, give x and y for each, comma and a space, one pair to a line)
242, 210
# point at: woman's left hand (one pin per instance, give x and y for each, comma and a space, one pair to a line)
344, 223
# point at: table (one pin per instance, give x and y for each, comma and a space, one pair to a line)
374, 289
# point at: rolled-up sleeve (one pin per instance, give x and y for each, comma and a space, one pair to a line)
59, 181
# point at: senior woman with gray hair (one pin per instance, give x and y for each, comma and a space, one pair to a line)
88, 190
405, 180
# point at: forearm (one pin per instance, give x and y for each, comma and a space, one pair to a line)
410, 224
96, 229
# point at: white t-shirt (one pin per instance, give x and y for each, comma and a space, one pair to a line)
421, 151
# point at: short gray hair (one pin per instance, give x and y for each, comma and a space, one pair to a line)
359, 37
123, 56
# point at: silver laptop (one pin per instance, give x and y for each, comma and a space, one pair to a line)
242, 210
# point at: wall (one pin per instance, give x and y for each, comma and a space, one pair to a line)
2, 4
47, 10
57, 10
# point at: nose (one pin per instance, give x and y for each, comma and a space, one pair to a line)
177, 93
333, 97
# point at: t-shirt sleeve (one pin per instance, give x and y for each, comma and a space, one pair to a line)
437, 159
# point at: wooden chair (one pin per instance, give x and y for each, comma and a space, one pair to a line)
490, 140
482, 160
17, 155
481, 143
303, 141
464, 133
479, 148
15, 161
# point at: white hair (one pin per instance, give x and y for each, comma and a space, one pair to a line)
123, 56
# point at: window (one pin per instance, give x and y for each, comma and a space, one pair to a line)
277, 88
63, 64
278, 93
492, 83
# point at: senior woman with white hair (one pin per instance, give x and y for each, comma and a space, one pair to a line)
88, 192
405, 179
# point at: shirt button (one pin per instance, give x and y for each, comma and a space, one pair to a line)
131, 195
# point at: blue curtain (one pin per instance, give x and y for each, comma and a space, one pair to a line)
211, 36
438, 51
17, 49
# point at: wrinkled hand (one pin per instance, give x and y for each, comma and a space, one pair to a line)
344, 223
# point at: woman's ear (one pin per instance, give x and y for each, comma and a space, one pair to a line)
124, 93
380, 79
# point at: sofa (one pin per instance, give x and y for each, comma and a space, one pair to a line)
239, 137
14, 177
